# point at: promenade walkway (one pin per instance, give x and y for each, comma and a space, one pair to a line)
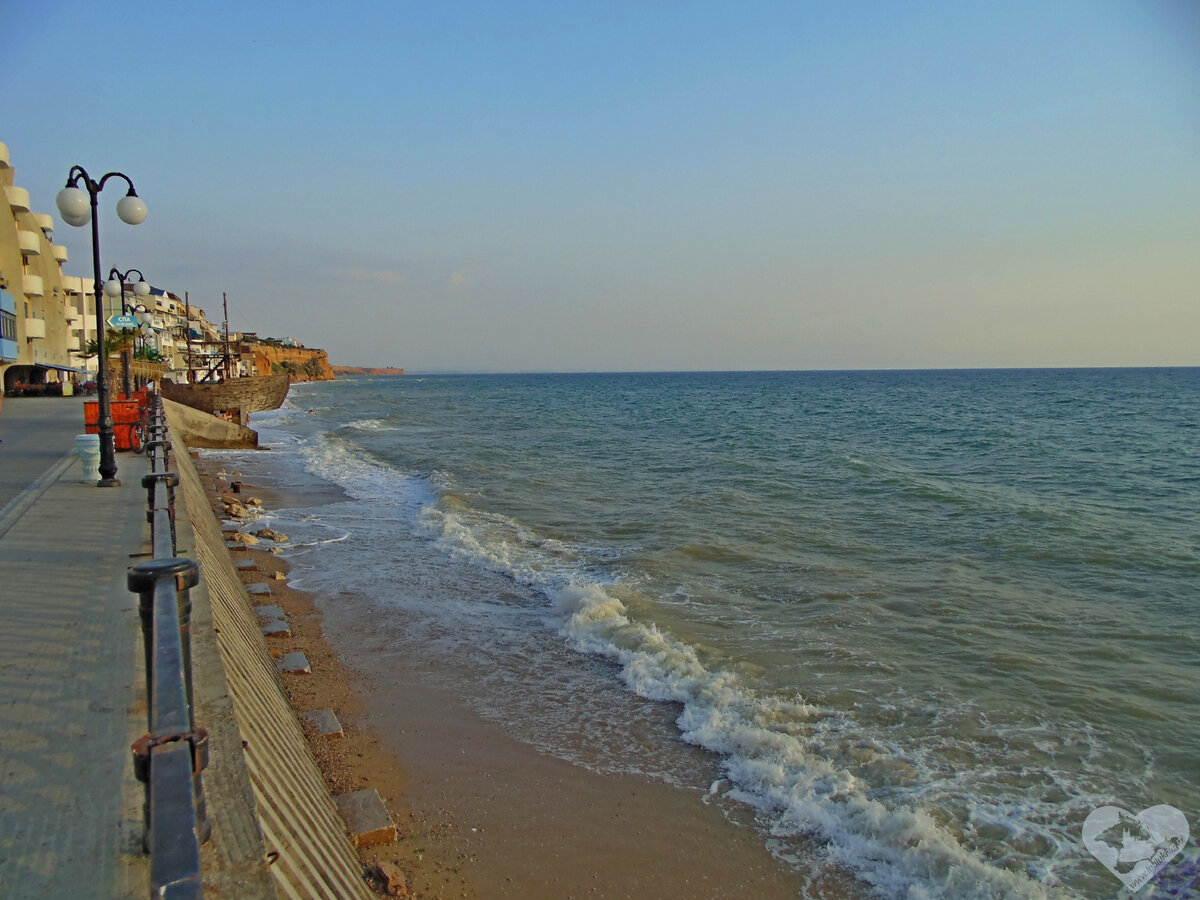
72, 695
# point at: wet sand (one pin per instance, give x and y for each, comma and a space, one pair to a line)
482, 814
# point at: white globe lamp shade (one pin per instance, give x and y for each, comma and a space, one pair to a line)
112, 287
131, 210
141, 288
74, 206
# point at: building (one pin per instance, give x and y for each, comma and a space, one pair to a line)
44, 325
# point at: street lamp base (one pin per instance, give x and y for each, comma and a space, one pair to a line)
108, 482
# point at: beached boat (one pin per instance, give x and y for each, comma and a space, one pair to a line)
235, 398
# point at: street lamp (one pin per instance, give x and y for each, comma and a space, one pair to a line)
77, 205
146, 327
115, 287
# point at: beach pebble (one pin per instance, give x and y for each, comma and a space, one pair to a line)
271, 535
242, 538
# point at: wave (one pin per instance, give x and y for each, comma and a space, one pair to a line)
369, 425
782, 756
771, 747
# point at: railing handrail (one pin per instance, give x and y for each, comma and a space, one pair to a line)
170, 757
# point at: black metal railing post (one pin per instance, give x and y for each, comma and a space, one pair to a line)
170, 758
165, 502
143, 581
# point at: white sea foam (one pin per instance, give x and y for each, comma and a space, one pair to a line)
902, 851
370, 425
774, 750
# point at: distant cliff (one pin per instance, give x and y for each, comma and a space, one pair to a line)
358, 370
302, 363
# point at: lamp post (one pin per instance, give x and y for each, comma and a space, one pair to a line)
115, 287
145, 324
77, 205
145, 329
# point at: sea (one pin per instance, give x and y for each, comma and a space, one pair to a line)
913, 625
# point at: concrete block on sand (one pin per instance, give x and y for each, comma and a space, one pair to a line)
366, 818
295, 663
247, 565
325, 723
271, 619
390, 879
258, 588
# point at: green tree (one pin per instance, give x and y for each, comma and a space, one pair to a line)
114, 343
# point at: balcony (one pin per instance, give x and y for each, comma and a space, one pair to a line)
73, 343
31, 285
30, 242
4, 157
44, 222
35, 328
18, 198
59, 252
72, 284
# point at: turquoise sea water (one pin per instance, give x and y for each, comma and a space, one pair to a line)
922, 623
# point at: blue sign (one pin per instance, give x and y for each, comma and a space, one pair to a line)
8, 327
123, 321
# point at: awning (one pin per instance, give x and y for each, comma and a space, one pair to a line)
59, 368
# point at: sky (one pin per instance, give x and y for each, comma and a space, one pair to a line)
582, 186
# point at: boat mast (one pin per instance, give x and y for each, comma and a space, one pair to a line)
187, 334
228, 355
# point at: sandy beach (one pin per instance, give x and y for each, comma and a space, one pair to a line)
481, 814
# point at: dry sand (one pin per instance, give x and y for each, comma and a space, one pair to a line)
483, 815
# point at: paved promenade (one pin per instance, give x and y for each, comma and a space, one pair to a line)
72, 696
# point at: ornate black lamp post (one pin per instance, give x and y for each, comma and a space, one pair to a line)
76, 206
115, 287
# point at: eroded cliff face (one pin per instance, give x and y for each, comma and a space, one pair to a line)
302, 363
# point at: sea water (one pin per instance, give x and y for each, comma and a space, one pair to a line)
920, 623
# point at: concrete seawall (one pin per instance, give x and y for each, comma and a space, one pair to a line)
276, 830
201, 429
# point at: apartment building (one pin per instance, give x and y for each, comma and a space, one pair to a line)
44, 325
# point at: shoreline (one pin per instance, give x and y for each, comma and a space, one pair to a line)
479, 812
353, 761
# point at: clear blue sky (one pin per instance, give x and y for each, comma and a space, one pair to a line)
558, 186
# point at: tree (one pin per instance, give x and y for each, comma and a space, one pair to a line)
114, 343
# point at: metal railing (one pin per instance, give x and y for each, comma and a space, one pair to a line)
170, 757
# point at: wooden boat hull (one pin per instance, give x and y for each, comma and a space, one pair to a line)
237, 397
